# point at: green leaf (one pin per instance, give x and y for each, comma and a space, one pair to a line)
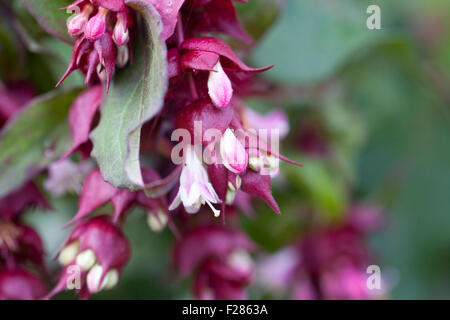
50, 17
34, 138
317, 37
136, 96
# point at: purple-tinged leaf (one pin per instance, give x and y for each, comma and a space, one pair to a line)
210, 44
81, 115
168, 10
259, 185
95, 192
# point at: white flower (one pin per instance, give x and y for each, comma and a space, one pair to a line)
195, 187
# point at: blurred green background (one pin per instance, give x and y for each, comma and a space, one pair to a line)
382, 97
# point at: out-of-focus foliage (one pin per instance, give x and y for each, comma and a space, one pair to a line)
26, 152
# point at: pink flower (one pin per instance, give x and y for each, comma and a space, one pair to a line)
233, 154
276, 272
195, 187
345, 282
20, 244
19, 284
221, 261
99, 251
78, 22
66, 176
265, 164
121, 34
274, 120
96, 26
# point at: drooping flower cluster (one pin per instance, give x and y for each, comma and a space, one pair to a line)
102, 33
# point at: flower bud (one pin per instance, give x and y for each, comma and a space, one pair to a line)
93, 279
157, 221
101, 73
273, 165
232, 190
95, 275
86, 259
123, 56
231, 195
234, 156
69, 252
256, 163
121, 34
219, 87
265, 164
96, 26
111, 279
77, 23
238, 182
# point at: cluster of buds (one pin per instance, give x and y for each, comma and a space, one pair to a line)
220, 259
102, 35
328, 264
93, 257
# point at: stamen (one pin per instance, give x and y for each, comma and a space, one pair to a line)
215, 211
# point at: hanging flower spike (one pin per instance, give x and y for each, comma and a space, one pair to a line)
110, 19
195, 187
99, 47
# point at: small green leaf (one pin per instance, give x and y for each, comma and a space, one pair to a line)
50, 17
34, 138
136, 96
